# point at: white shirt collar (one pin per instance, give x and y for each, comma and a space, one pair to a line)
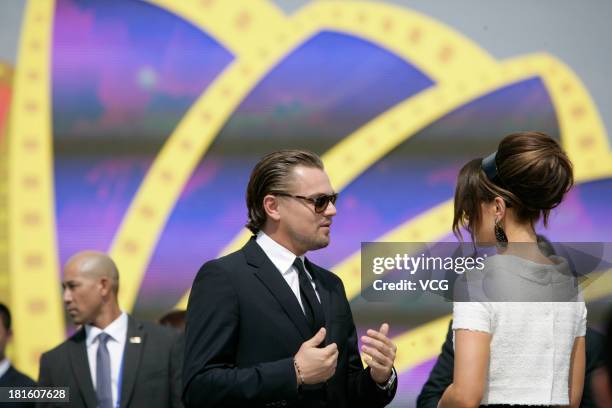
4, 366
280, 256
117, 330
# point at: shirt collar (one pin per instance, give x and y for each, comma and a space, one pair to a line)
280, 256
4, 366
117, 330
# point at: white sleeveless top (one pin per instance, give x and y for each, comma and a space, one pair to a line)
531, 342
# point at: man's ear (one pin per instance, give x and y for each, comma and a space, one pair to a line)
500, 208
270, 205
106, 285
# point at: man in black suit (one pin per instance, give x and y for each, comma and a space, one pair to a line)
9, 375
267, 327
113, 360
441, 375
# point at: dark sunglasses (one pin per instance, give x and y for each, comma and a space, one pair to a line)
320, 203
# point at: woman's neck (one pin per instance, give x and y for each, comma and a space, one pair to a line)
519, 232
522, 242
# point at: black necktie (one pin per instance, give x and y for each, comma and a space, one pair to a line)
312, 307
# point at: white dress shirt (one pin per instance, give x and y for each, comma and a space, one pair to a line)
4, 366
117, 331
283, 259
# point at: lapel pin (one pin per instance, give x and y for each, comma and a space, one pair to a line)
135, 340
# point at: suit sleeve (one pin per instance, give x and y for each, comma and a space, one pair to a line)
210, 375
441, 375
176, 371
44, 378
362, 390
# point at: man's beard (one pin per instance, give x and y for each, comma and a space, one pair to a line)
317, 242
311, 243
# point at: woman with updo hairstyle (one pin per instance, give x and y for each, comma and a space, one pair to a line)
515, 352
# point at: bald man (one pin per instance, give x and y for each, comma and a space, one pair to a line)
113, 360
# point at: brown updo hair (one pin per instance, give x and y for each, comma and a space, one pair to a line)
533, 175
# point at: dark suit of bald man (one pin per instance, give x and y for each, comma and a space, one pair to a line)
150, 374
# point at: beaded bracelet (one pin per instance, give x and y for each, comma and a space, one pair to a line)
297, 368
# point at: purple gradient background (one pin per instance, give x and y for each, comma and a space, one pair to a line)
322, 115
108, 124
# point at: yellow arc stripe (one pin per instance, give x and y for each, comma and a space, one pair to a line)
6, 79
139, 232
238, 25
424, 342
585, 140
135, 241
566, 91
389, 129
435, 223
145, 219
439, 51
35, 296
583, 134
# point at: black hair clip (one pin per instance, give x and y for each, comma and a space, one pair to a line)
489, 166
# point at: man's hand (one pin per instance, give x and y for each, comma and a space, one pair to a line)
380, 353
316, 365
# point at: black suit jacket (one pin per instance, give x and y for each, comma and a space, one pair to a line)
441, 375
150, 375
15, 378
244, 325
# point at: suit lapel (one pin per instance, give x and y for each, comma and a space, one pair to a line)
323, 291
276, 284
9, 378
134, 343
77, 350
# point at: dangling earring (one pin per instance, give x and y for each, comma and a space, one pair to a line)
500, 234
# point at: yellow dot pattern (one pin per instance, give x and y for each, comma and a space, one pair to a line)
597, 286
259, 36
582, 131
420, 344
6, 78
391, 128
213, 108
440, 52
34, 289
435, 223
238, 25
452, 65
